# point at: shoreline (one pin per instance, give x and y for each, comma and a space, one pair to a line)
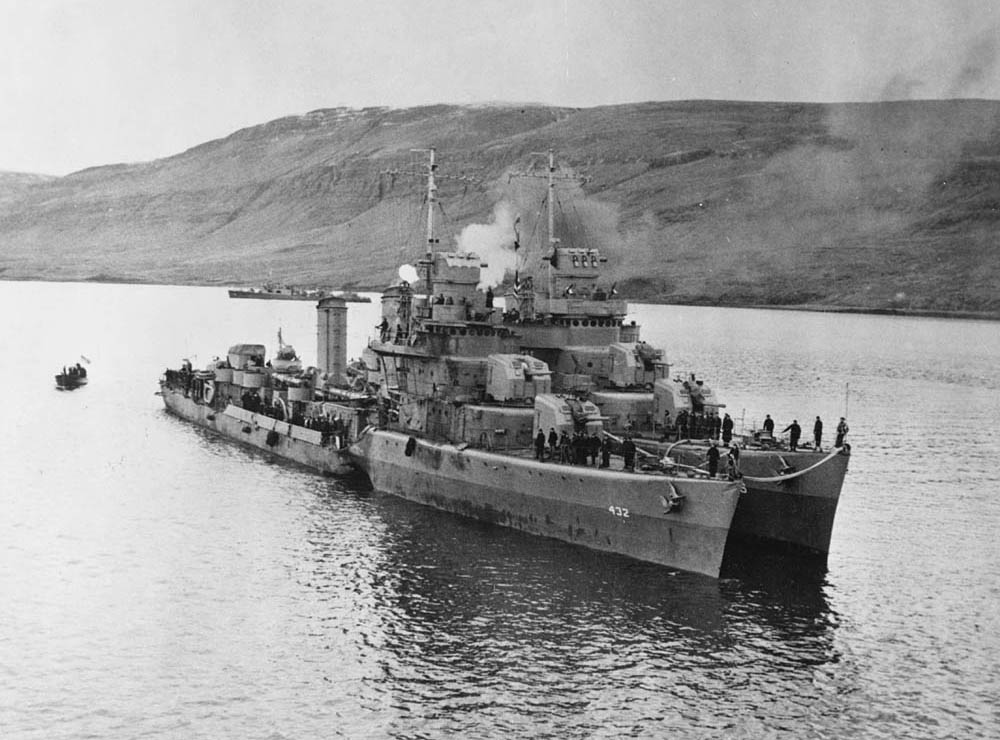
929, 313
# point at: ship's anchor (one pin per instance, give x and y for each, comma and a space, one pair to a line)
673, 501
785, 467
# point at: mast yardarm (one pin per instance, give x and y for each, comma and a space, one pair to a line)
551, 176
427, 263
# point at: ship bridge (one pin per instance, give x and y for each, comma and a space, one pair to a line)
452, 279
573, 287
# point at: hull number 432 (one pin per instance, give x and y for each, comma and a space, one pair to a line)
619, 511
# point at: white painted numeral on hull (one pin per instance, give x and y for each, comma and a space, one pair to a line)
619, 511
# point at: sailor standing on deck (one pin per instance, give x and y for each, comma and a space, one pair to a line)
733, 463
594, 447
713, 459
842, 430
540, 445
628, 452
795, 431
769, 425
818, 433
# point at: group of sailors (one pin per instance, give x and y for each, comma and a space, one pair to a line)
794, 431
697, 425
710, 426
321, 424
594, 450
75, 371
713, 458
252, 402
579, 449
184, 379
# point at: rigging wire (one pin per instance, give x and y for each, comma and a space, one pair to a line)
579, 226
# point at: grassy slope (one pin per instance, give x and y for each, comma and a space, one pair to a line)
870, 205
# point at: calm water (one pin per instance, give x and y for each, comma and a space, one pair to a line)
158, 582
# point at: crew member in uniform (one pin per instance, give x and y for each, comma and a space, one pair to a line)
841, 432
713, 459
553, 442
628, 452
794, 432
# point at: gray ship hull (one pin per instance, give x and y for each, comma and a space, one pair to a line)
255, 430
609, 510
797, 512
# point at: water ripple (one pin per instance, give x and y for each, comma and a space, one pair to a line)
163, 583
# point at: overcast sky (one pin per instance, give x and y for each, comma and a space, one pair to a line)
89, 82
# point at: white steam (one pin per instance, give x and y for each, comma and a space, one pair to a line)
408, 273
493, 243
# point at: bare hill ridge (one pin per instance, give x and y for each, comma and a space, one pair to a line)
887, 205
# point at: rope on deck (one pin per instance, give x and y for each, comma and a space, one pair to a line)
796, 474
752, 478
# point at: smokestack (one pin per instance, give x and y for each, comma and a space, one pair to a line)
331, 337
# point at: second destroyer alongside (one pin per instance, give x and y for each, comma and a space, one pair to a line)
458, 402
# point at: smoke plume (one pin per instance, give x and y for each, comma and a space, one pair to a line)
969, 71
493, 243
978, 67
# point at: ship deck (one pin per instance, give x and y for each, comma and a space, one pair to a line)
617, 463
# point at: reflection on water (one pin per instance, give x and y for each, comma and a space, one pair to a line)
458, 621
162, 582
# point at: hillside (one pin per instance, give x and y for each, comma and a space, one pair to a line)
887, 205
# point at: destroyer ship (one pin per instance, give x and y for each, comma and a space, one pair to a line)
462, 380
305, 414
272, 292
572, 319
467, 404
449, 404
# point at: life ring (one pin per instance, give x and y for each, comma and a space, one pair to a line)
208, 391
